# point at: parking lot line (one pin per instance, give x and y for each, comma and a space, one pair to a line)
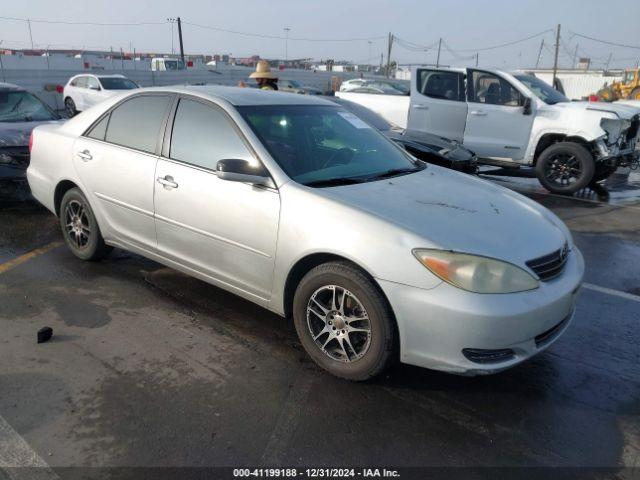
4, 267
611, 291
15, 454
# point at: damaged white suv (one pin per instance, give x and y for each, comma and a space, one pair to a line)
516, 120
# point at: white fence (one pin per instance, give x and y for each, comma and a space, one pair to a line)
33, 74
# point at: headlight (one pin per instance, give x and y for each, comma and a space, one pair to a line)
474, 273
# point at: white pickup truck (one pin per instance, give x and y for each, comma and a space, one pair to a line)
512, 119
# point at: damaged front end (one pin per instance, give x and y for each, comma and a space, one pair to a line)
619, 145
14, 162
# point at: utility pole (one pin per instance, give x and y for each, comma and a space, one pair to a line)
606, 68
540, 53
388, 72
111, 48
438, 58
134, 58
172, 21
30, 34
575, 56
286, 44
555, 61
180, 38
477, 58
122, 59
369, 57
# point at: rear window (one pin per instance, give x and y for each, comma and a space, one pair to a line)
117, 83
137, 122
441, 85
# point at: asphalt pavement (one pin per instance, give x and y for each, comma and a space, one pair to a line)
150, 368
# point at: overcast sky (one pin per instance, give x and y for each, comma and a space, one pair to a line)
464, 25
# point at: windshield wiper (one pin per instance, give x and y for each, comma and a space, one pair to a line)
394, 172
333, 182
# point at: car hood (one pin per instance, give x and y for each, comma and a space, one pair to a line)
439, 145
458, 212
16, 134
623, 111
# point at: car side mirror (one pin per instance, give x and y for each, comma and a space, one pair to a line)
526, 106
236, 170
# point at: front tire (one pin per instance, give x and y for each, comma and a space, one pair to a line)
565, 168
80, 228
70, 107
344, 322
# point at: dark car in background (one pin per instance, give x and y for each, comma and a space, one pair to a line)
427, 147
20, 113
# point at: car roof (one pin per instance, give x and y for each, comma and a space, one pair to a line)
11, 86
238, 96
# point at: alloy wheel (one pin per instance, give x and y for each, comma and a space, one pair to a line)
77, 224
338, 323
563, 169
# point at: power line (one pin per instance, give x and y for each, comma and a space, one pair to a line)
281, 37
65, 22
607, 42
502, 45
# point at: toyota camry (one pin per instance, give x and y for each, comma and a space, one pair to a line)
302, 207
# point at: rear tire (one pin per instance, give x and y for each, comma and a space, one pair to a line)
635, 94
80, 228
565, 168
70, 107
344, 322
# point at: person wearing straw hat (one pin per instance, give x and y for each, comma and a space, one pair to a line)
267, 80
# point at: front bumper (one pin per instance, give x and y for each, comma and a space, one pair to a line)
436, 325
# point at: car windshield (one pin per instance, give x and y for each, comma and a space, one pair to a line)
23, 107
324, 145
116, 83
542, 90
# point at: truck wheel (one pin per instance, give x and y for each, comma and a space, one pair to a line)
565, 167
344, 322
635, 94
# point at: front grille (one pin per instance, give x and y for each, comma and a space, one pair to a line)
14, 156
478, 355
551, 265
549, 335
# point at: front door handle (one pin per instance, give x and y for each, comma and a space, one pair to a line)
420, 106
479, 113
85, 155
167, 182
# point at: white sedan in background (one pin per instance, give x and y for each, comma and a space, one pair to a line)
298, 205
84, 91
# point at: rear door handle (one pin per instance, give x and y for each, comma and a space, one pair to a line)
85, 155
479, 113
420, 106
167, 182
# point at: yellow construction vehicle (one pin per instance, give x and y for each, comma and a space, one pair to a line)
629, 88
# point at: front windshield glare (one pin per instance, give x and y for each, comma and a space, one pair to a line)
23, 107
316, 144
542, 90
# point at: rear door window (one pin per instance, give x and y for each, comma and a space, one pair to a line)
137, 122
441, 84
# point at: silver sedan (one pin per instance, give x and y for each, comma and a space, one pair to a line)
298, 205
